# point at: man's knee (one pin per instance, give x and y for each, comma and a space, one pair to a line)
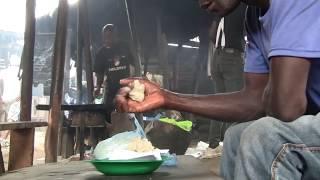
261, 135
233, 133
230, 133
230, 146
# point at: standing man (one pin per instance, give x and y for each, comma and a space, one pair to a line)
227, 47
278, 109
114, 61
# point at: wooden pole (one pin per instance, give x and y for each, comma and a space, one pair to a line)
89, 73
65, 136
79, 138
68, 142
79, 58
146, 64
135, 45
162, 51
176, 68
57, 82
27, 76
22, 141
67, 68
79, 141
164, 61
86, 47
66, 85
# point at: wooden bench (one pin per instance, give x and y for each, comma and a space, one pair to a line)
16, 126
22, 125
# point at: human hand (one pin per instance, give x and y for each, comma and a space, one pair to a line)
154, 97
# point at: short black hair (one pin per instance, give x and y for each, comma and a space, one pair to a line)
108, 27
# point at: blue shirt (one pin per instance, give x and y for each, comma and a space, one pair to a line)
288, 28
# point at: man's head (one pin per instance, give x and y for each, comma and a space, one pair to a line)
220, 7
108, 34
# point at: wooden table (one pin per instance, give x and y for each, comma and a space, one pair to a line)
188, 168
82, 116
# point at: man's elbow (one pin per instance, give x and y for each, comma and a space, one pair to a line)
289, 113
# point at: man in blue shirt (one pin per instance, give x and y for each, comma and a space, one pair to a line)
279, 133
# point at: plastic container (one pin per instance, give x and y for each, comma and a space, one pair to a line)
126, 168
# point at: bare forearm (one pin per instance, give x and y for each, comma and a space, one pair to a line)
241, 106
229, 107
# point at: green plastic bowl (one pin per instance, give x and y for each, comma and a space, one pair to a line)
128, 167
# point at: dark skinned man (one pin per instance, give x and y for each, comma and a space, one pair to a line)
279, 133
113, 60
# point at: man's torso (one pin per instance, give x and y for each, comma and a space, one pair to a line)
114, 62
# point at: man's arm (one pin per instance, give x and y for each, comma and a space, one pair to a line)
282, 95
241, 106
245, 105
286, 94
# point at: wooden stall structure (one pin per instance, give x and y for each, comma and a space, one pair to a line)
22, 132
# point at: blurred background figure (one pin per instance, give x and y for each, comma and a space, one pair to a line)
226, 62
113, 60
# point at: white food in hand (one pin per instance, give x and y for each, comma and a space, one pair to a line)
140, 145
137, 93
